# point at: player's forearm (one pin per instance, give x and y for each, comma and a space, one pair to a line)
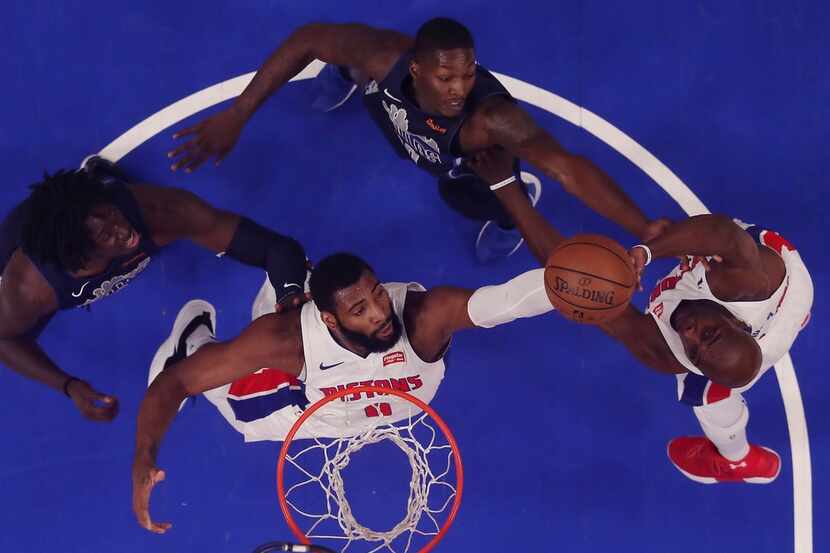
646, 345
701, 235
598, 191
290, 57
157, 411
540, 235
25, 357
521, 297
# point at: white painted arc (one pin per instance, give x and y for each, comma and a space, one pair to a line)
619, 141
186, 107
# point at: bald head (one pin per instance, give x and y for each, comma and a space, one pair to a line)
732, 361
717, 342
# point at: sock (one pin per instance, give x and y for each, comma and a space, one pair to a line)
724, 423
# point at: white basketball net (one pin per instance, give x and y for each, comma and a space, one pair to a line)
420, 517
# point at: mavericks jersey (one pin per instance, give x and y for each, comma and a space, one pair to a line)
429, 140
81, 292
773, 322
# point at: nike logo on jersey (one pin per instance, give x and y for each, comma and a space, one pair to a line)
386, 91
290, 284
326, 367
740, 465
81, 291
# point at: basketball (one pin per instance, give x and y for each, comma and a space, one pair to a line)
590, 278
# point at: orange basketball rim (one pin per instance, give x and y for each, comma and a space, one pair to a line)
378, 391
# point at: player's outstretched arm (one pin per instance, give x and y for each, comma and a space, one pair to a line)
26, 300
371, 51
708, 235
636, 331
494, 165
175, 214
740, 272
444, 310
503, 122
639, 334
270, 341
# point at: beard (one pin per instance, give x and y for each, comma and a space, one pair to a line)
371, 342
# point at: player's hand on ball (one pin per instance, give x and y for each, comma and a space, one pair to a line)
213, 138
638, 259
493, 164
145, 476
92, 404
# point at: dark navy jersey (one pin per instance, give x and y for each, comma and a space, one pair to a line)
430, 140
78, 292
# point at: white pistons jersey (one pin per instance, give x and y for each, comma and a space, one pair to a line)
265, 405
329, 368
773, 322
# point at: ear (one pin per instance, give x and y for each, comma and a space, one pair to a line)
413, 69
329, 319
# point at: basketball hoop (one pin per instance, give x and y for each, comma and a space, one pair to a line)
433, 456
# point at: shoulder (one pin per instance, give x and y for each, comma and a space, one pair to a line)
494, 109
25, 295
501, 120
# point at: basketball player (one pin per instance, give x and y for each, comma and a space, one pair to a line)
355, 331
436, 106
719, 330
83, 235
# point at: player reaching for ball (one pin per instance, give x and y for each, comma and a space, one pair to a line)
718, 329
355, 331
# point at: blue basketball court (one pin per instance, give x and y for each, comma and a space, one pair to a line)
689, 106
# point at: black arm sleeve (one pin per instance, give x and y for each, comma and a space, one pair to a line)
281, 256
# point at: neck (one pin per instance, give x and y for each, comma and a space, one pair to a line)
345, 343
412, 91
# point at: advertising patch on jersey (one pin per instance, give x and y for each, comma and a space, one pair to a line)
394, 357
435, 126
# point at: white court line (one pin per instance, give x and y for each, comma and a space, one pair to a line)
619, 141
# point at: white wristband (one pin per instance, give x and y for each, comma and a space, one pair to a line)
647, 250
502, 184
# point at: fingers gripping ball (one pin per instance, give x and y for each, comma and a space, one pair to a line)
590, 278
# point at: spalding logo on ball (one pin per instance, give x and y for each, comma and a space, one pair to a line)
590, 278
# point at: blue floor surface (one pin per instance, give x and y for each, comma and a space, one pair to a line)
562, 433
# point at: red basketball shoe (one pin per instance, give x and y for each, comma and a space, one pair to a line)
699, 459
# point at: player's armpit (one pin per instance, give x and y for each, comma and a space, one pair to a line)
639, 334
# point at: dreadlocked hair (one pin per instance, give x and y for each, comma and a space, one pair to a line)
54, 230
